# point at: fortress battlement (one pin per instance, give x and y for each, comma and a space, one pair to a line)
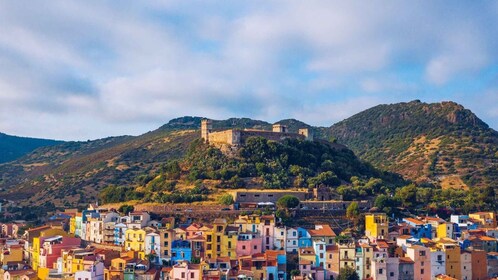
237, 137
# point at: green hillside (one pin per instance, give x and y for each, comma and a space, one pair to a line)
13, 147
442, 143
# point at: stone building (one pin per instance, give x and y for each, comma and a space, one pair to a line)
236, 137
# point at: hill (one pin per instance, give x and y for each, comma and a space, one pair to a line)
72, 173
13, 147
441, 143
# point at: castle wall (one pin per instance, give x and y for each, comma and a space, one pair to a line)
266, 196
270, 135
222, 137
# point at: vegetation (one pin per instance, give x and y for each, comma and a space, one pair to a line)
353, 212
126, 209
287, 202
424, 142
13, 147
280, 165
348, 273
226, 199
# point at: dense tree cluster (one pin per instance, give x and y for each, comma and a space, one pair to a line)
281, 165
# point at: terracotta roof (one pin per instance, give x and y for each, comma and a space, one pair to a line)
322, 230
405, 260
39, 228
305, 262
445, 277
382, 244
414, 221
21, 272
405, 237
487, 238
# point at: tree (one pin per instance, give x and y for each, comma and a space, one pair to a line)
353, 212
348, 273
226, 199
125, 208
295, 272
288, 201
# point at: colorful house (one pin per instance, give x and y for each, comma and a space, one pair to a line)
421, 257
486, 219
376, 226
304, 238
135, 241
181, 250
452, 251
419, 229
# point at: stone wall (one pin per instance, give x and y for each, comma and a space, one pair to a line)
265, 196
334, 205
270, 135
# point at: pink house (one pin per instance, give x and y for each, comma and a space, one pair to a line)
185, 271
421, 257
51, 248
249, 244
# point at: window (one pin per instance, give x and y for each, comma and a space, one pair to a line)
255, 247
380, 271
293, 233
422, 263
421, 253
183, 275
191, 275
243, 247
391, 274
281, 233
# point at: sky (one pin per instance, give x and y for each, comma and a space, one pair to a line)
78, 70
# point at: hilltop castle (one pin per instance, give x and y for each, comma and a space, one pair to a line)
236, 137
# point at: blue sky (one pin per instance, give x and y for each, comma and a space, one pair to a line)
78, 70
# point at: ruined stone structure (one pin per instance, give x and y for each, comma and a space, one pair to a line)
236, 137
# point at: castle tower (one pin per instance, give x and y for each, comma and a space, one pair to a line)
206, 128
307, 133
280, 128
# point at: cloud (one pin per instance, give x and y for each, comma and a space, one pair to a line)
78, 70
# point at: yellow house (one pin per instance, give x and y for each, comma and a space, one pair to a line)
452, 251
72, 225
135, 241
376, 226
214, 239
35, 253
487, 219
12, 253
445, 230
248, 222
229, 242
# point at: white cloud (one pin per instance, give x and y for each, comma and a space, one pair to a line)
126, 68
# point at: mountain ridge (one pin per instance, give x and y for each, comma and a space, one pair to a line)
425, 142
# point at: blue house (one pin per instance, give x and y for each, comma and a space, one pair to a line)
304, 238
418, 228
282, 262
181, 250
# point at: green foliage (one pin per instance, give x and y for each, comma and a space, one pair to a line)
382, 135
13, 147
126, 209
348, 273
353, 211
226, 199
287, 202
280, 164
112, 194
295, 272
